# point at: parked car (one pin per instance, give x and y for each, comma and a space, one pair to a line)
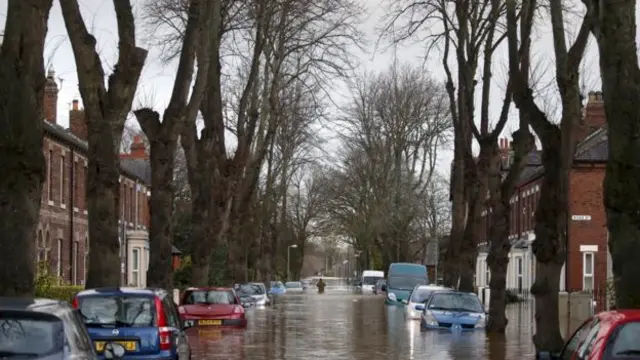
377, 290
452, 310
257, 291
294, 287
305, 284
143, 321
277, 288
212, 308
419, 296
608, 335
41, 329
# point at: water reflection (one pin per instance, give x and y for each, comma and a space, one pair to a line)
341, 326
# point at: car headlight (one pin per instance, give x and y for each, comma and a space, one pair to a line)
482, 322
391, 296
262, 301
429, 319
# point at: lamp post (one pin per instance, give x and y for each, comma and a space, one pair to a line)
289, 259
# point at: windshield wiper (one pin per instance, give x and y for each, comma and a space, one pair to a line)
12, 354
439, 308
629, 352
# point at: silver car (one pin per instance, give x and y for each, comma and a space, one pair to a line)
257, 291
420, 295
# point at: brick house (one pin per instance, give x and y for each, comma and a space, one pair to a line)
589, 264
62, 237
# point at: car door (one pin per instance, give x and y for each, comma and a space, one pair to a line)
180, 337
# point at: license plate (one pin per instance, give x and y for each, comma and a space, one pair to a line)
128, 345
210, 322
210, 333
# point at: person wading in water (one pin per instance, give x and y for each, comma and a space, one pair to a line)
320, 286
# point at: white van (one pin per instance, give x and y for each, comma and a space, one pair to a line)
369, 280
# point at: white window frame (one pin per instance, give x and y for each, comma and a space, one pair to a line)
74, 263
135, 266
519, 273
586, 275
487, 274
59, 262
86, 259
63, 201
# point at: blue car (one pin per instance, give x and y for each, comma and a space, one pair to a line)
277, 288
144, 321
452, 310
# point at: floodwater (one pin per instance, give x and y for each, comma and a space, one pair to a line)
355, 327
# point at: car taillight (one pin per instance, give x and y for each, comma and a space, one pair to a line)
181, 310
164, 331
74, 302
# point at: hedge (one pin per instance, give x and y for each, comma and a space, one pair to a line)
64, 293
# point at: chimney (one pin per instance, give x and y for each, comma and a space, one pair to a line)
50, 104
77, 120
138, 149
593, 116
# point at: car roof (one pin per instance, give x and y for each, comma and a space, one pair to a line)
110, 291
432, 287
11, 303
619, 316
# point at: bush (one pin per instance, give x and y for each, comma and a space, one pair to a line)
52, 287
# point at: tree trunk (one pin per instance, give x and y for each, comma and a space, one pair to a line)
202, 247
22, 82
498, 261
616, 36
160, 272
458, 219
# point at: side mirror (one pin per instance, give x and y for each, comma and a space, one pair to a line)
420, 307
113, 351
383, 288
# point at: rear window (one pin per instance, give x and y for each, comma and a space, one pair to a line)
293, 285
221, 297
30, 334
624, 341
117, 311
421, 295
250, 289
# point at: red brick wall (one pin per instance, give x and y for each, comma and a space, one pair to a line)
77, 121
585, 198
50, 105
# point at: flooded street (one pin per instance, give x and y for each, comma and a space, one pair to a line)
346, 326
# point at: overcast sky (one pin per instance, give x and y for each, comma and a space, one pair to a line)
157, 78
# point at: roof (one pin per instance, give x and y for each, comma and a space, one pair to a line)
11, 303
136, 169
119, 290
618, 316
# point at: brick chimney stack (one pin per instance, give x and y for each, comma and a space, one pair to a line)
593, 116
50, 107
77, 120
138, 149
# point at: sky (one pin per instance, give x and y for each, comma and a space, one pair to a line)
157, 78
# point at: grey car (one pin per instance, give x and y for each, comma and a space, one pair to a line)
257, 291
42, 329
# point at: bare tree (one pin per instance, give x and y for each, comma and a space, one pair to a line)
22, 84
106, 109
614, 27
163, 135
558, 149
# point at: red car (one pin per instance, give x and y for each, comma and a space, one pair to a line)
212, 308
610, 335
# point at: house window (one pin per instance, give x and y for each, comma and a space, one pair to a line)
50, 177
43, 248
59, 262
132, 204
587, 271
487, 274
135, 267
519, 275
86, 259
76, 188
74, 264
63, 175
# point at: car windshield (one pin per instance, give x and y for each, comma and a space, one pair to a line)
626, 342
217, 297
370, 280
276, 284
250, 289
24, 334
421, 295
293, 285
405, 282
117, 311
454, 301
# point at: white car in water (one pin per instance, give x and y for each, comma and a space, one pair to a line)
420, 295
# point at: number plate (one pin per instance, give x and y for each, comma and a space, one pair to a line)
210, 322
128, 345
210, 333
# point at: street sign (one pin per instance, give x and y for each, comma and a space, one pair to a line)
581, 217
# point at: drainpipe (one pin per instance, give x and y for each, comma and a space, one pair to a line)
71, 204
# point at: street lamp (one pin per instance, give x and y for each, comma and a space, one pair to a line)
289, 259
